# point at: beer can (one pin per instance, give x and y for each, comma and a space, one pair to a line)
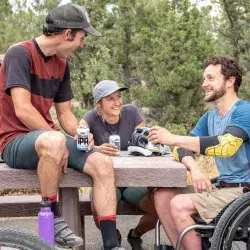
82, 137
115, 140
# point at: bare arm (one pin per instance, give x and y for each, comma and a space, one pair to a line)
188, 142
25, 111
219, 145
66, 118
163, 136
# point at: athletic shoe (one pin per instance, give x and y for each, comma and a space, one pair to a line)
135, 242
64, 237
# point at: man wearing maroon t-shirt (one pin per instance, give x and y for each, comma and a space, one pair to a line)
34, 74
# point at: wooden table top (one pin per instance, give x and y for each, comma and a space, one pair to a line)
153, 171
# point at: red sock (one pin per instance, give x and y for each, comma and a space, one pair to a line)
54, 208
107, 217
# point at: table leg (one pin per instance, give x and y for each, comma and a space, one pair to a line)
70, 209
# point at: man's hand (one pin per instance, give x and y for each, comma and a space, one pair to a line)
108, 149
90, 140
161, 135
201, 182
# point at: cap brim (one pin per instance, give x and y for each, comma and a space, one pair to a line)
123, 88
114, 90
92, 31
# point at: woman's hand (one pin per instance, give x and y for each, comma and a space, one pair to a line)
108, 149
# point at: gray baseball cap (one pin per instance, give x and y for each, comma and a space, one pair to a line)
105, 88
71, 16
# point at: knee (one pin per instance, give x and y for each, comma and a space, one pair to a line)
100, 166
51, 144
178, 208
161, 197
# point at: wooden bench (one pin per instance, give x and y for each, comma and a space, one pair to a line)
129, 171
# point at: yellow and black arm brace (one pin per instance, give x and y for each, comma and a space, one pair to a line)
180, 153
225, 145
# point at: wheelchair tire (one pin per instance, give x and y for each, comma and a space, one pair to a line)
232, 235
226, 220
21, 240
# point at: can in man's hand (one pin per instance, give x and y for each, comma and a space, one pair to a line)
82, 137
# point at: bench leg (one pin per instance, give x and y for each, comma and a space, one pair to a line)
70, 209
83, 230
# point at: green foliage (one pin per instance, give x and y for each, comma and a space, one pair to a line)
175, 44
232, 30
22, 20
154, 47
179, 128
79, 112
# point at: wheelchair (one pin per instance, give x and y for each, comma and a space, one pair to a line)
229, 230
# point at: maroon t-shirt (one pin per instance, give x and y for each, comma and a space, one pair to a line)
46, 78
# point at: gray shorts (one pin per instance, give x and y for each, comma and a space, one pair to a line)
133, 195
20, 153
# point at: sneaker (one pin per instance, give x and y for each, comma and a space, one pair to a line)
135, 242
64, 237
167, 247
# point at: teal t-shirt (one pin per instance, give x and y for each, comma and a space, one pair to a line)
233, 169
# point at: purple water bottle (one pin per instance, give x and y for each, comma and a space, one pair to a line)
46, 222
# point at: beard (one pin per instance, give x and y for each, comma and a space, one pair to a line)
216, 94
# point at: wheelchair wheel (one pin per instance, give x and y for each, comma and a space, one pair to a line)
12, 239
227, 235
239, 231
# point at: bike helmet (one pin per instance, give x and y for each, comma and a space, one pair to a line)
139, 144
139, 141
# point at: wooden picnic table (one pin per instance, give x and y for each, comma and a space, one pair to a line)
155, 171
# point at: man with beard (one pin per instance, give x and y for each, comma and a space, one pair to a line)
223, 133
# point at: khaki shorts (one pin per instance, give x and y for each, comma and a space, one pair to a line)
209, 204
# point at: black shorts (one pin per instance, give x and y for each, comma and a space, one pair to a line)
20, 153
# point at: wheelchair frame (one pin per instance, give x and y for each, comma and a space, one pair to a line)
232, 224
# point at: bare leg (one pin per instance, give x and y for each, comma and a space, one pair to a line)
100, 168
149, 219
162, 198
94, 215
50, 147
182, 207
53, 153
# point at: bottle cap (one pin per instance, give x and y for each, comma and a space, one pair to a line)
45, 203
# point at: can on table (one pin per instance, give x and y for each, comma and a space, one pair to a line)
82, 137
115, 140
